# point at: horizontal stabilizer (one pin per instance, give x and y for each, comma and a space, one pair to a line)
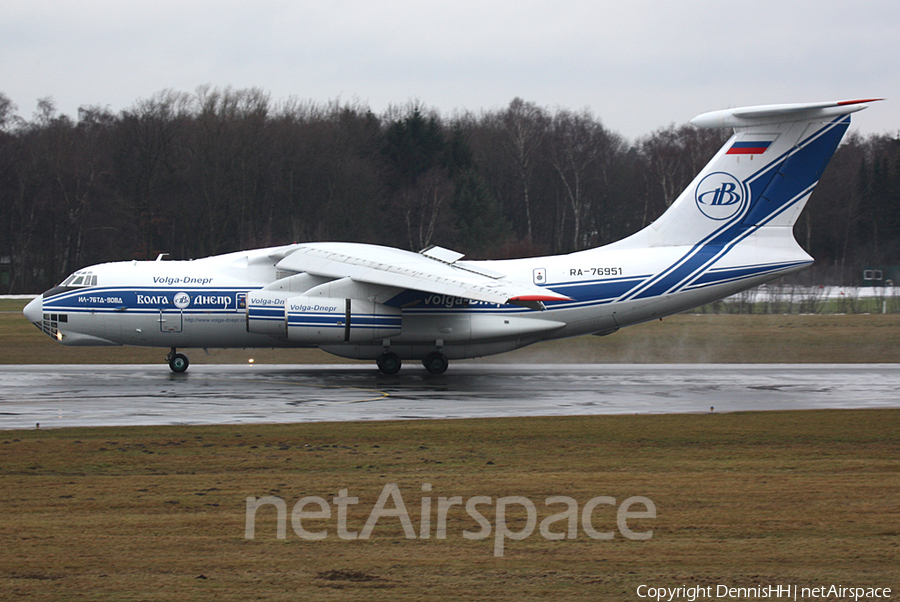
772, 114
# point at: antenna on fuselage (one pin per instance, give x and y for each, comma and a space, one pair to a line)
161, 255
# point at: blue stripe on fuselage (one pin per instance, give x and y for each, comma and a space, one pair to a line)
146, 299
733, 274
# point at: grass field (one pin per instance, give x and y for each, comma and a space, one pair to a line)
684, 338
743, 499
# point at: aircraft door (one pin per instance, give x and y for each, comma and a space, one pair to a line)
171, 321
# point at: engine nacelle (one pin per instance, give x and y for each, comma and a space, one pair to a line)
314, 319
265, 313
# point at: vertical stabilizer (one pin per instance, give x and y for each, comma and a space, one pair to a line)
761, 178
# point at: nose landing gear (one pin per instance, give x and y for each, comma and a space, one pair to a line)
178, 362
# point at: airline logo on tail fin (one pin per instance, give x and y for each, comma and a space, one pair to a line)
720, 196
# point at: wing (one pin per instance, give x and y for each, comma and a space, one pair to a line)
435, 270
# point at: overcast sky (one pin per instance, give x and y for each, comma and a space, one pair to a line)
635, 65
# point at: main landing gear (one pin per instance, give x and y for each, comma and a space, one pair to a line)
178, 362
435, 362
389, 362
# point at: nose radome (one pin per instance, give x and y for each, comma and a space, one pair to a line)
34, 311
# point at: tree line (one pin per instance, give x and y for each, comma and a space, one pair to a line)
218, 170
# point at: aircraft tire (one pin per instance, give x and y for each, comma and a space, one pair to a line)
389, 363
436, 362
179, 363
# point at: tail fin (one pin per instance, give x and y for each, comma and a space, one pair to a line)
761, 179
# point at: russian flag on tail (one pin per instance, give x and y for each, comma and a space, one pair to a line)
754, 147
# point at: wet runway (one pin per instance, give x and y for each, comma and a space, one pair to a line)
62, 396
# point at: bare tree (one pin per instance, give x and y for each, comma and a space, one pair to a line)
426, 208
579, 151
672, 157
7, 112
524, 125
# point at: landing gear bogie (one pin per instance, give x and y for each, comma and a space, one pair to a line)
436, 362
389, 362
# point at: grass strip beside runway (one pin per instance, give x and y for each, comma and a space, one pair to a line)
742, 499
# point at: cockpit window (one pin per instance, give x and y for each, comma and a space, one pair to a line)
80, 278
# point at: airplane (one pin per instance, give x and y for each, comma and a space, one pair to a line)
731, 229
